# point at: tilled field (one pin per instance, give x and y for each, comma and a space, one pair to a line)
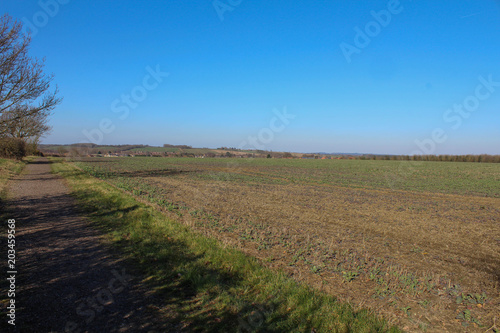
424, 252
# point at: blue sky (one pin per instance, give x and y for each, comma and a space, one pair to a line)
368, 77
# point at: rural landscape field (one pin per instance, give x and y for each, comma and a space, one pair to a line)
250, 166
423, 251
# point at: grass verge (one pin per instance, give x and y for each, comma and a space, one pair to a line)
206, 286
8, 168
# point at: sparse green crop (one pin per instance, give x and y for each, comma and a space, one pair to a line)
339, 222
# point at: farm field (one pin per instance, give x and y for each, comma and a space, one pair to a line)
417, 243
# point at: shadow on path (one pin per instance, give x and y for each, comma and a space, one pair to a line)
67, 281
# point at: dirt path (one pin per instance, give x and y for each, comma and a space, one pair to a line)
67, 280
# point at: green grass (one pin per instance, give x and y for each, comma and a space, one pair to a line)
9, 168
210, 288
480, 179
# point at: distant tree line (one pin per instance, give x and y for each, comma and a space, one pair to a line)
177, 146
483, 158
93, 145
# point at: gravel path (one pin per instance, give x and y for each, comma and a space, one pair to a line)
67, 280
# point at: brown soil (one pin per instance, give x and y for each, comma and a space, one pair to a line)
449, 242
67, 280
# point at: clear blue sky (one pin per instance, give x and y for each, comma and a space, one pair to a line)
232, 66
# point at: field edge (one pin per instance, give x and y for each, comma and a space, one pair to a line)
207, 271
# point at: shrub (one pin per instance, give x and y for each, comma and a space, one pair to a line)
12, 148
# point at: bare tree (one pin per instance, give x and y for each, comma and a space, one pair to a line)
24, 87
22, 123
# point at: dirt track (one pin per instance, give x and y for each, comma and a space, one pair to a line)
67, 280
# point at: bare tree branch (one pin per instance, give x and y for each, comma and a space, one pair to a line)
24, 87
24, 123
